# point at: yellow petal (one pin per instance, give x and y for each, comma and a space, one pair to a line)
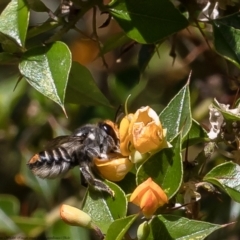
147, 138
115, 168
124, 135
149, 203
159, 193
138, 192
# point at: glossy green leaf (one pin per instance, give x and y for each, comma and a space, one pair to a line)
9, 204
103, 209
82, 88
169, 227
195, 135
165, 168
14, 21
147, 21
227, 177
61, 230
226, 32
119, 227
177, 117
47, 69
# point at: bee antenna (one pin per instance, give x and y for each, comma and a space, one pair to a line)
118, 114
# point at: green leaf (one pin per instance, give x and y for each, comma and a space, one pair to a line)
227, 177
195, 135
14, 21
82, 88
176, 116
27, 224
165, 168
9, 204
227, 115
147, 21
37, 6
6, 58
145, 54
128, 184
119, 227
43, 28
115, 41
47, 69
60, 230
103, 209
169, 227
6, 224
226, 32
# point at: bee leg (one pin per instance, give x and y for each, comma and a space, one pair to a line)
95, 183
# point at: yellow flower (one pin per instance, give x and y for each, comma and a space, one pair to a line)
149, 197
142, 131
114, 168
75, 217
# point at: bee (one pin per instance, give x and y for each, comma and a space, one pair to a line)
78, 149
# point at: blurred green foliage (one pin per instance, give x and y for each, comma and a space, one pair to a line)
29, 206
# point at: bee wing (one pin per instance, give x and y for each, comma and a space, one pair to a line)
60, 141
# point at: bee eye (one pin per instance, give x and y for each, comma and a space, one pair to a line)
109, 130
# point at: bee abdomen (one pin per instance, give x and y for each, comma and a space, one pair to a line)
50, 163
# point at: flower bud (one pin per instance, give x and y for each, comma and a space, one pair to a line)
75, 217
149, 197
143, 231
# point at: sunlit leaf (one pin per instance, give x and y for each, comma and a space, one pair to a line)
226, 32
227, 177
119, 227
111, 208
47, 69
169, 227
177, 117
14, 21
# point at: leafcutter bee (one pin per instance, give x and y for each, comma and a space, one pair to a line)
79, 149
